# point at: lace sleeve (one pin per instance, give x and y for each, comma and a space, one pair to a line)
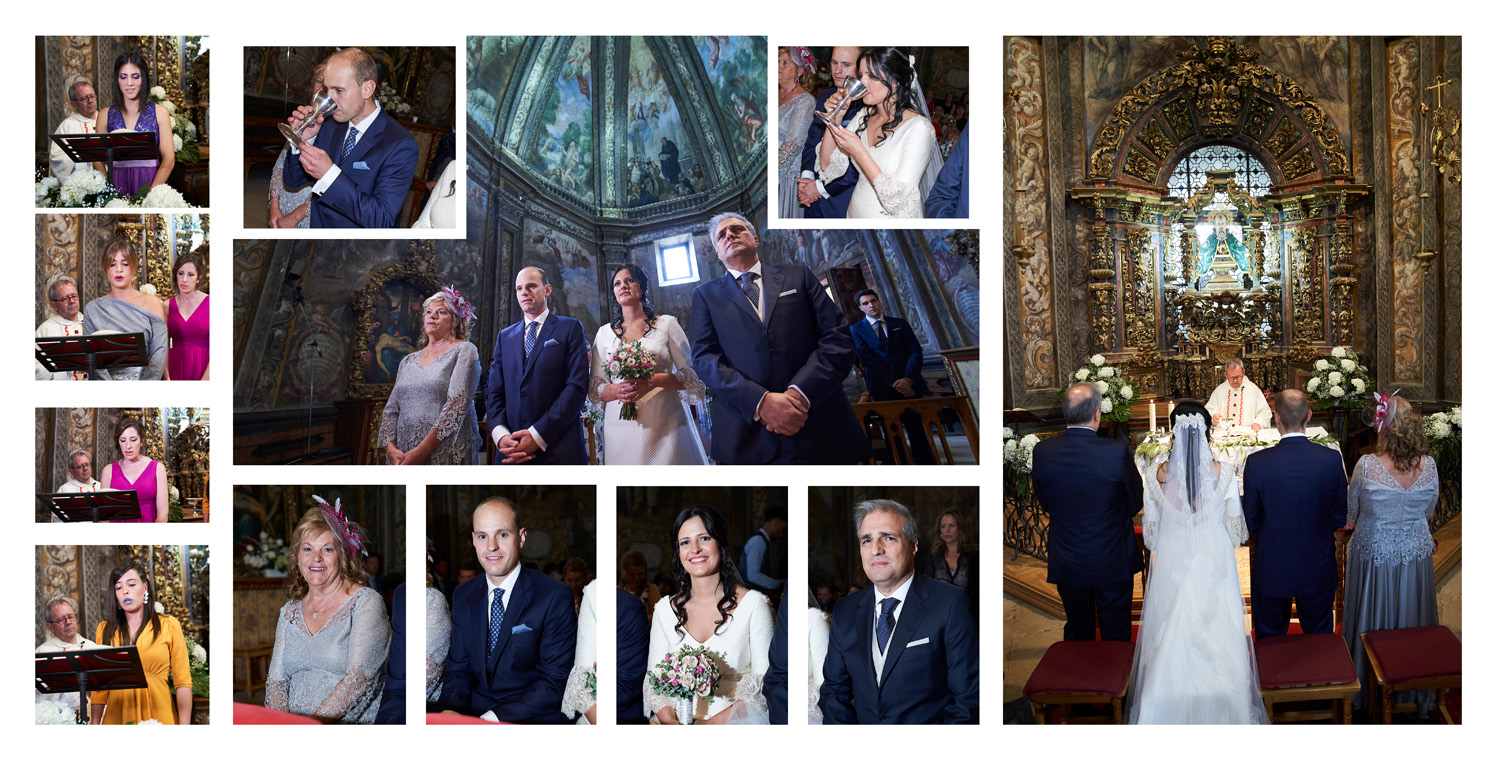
1151, 507
899, 187
369, 643
1431, 464
762, 627
598, 379
461, 386
794, 130
1234, 513
662, 622
681, 354
838, 164
1356, 485
274, 192
390, 417
817, 651
577, 697
439, 631
276, 677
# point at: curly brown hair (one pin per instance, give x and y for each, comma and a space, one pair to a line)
312, 524
1403, 438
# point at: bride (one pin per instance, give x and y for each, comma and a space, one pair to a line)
662, 432
1193, 659
714, 609
890, 140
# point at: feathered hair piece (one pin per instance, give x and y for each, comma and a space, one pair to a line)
1384, 409
461, 309
350, 534
803, 58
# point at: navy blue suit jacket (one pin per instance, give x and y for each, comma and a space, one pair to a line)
836, 205
802, 342
775, 679
901, 357
373, 178
393, 696
1090, 489
632, 641
1296, 496
522, 681
931, 671
547, 390
949, 196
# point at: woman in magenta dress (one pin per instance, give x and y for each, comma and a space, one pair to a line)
137, 471
187, 321
133, 111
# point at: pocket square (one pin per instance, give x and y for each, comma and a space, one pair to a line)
361, 165
921, 641
787, 293
550, 342
523, 628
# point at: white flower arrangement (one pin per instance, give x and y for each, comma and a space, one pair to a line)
1313, 383
1112, 386
392, 102
1341, 382
184, 134
1335, 377
148, 289
158, 94
1359, 385
148, 721
1336, 391
1348, 365
1444, 431
1456, 415
1106, 372
54, 713
164, 197
1106, 406
1321, 365
1097, 360
88, 188
1081, 374
1340, 352
269, 554
1127, 391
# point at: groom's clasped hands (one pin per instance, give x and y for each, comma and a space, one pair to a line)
784, 414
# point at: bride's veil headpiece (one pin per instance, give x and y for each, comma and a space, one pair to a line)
935, 159
1190, 469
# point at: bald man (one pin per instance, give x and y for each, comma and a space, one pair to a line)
361, 165
538, 382
514, 630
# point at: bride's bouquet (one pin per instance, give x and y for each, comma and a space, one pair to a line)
686, 675
630, 360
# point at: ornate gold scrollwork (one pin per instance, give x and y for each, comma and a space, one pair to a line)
1282, 139
1299, 165
416, 268
1138, 164
1308, 289
1157, 141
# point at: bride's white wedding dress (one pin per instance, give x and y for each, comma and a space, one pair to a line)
1194, 663
744, 641
662, 432
903, 160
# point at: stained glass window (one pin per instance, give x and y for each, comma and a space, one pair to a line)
1191, 173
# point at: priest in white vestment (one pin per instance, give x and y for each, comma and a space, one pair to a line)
1238, 402
64, 304
62, 634
80, 476
79, 121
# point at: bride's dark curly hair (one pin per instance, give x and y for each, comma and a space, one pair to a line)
1190, 407
729, 576
893, 68
618, 323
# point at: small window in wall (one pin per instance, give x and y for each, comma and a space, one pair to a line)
675, 262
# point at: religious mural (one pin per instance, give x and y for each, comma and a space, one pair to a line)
662, 164
736, 68
572, 269
394, 331
957, 277
491, 61
563, 150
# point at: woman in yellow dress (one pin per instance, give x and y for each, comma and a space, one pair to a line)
134, 621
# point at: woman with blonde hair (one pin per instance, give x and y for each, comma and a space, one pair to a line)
430, 415
795, 66
1388, 581
333, 636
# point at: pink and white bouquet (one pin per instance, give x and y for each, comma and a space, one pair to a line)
686, 675
629, 361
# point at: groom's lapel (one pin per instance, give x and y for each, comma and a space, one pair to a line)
865, 617
479, 622
771, 278
914, 609
513, 604
548, 328
730, 291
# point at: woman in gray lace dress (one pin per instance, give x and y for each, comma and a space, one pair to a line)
332, 638
430, 416
795, 104
288, 208
439, 633
1388, 582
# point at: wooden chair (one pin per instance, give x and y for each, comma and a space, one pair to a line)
1299, 667
253, 681
1072, 673
1419, 658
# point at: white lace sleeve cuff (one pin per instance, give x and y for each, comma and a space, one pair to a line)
748, 692
1149, 532
577, 697
838, 164
899, 199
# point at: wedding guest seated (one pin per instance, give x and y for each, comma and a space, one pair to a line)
133, 111
1238, 402
125, 309
633, 580
130, 618
469, 571
63, 305
83, 106
338, 676
80, 476
62, 634
439, 627
187, 321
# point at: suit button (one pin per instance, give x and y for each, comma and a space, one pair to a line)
523, 394
882, 717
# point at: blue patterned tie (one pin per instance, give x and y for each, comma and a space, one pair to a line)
531, 329
885, 623
348, 143
497, 617
752, 291
880, 332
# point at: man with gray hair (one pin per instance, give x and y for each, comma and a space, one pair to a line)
904, 650
62, 634
83, 108
775, 350
1090, 490
80, 476
1238, 402
63, 307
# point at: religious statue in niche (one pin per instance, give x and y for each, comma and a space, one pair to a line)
1222, 256
394, 330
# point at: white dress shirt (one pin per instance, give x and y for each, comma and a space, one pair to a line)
760, 282
498, 429
363, 125
53, 327
74, 124
900, 596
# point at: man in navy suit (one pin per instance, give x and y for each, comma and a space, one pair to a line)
514, 630
949, 197
393, 695
538, 382
632, 640
905, 649
772, 347
1090, 490
1296, 495
828, 201
889, 352
365, 161
775, 680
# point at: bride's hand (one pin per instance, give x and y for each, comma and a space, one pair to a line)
667, 715
847, 141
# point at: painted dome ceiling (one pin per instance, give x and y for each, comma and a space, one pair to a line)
623, 126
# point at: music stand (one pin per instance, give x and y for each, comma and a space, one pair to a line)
105, 668
109, 148
108, 351
93, 506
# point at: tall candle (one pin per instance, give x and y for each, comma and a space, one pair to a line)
1153, 416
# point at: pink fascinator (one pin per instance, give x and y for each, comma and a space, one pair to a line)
462, 309
804, 58
350, 534
1384, 409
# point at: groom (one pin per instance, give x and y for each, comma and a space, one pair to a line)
538, 382
1296, 495
775, 351
1090, 490
514, 630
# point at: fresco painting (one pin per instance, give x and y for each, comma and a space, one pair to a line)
736, 68
563, 150
661, 159
491, 62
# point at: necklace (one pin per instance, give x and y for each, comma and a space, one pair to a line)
317, 610
432, 349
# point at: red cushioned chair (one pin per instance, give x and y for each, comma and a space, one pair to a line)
1419, 658
248, 713
1299, 667
1094, 673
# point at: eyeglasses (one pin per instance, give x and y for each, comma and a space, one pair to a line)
84, 466
89, 99
66, 300
68, 619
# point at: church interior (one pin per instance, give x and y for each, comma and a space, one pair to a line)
176, 437
1176, 203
